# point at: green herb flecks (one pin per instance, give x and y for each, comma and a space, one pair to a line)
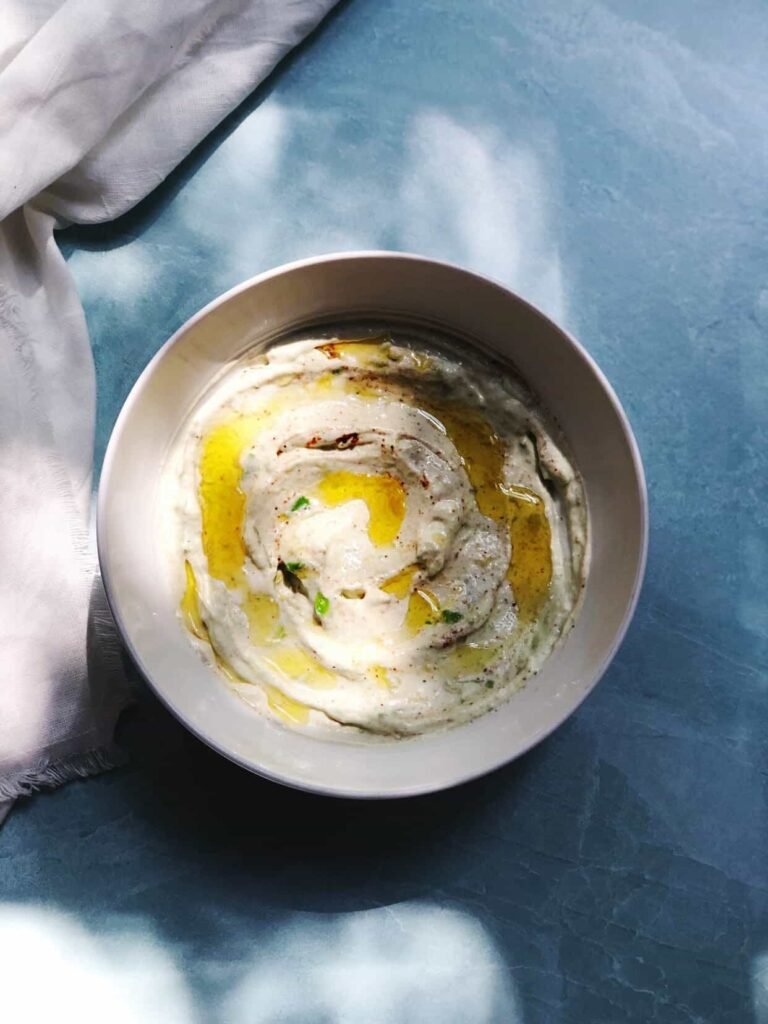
451, 617
301, 502
322, 605
291, 580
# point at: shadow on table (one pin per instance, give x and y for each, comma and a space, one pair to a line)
306, 851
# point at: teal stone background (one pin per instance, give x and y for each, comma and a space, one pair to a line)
608, 160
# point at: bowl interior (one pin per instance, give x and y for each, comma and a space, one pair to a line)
143, 595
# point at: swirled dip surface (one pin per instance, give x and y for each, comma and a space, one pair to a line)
376, 537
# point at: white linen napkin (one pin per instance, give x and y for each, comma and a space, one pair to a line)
99, 100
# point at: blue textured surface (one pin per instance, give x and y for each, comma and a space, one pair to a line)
609, 161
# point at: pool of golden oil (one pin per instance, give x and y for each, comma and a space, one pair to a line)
222, 501
190, 605
296, 663
469, 659
288, 710
423, 610
263, 618
383, 494
400, 584
521, 511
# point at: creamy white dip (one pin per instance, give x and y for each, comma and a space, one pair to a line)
373, 536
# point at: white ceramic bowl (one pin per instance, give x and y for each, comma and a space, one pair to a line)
384, 286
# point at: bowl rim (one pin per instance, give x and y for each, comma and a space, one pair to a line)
105, 481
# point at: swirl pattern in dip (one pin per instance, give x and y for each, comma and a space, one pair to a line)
375, 536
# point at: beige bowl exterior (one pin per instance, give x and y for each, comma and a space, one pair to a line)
347, 286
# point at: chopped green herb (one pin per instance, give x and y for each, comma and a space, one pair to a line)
489, 684
451, 617
301, 502
291, 580
322, 604
280, 633
294, 566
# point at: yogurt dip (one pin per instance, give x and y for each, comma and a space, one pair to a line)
374, 537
